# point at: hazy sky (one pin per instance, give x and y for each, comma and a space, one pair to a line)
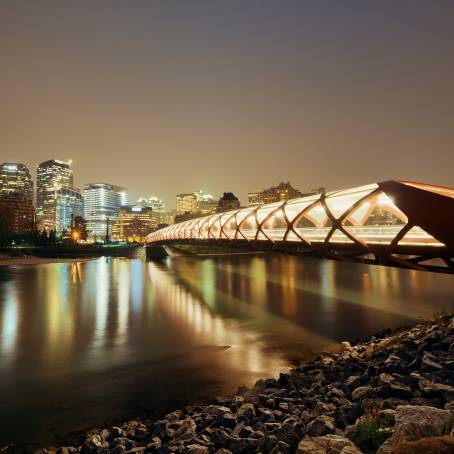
174, 96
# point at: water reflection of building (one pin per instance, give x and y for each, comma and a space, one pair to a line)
245, 352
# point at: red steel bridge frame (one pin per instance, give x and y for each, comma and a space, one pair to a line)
417, 233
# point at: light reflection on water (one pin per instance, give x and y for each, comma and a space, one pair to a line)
111, 338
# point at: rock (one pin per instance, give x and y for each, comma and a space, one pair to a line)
186, 430
439, 421
116, 432
430, 445
154, 444
93, 444
429, 363
228, 420
328, 444
246, 411
242, 445
346, 345
433, 389
363, 392
387, 418
321, 425
450, 406
398, 391
416, 422
196, 449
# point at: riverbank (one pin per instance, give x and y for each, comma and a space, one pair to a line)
32, 255
30, 260
393, 394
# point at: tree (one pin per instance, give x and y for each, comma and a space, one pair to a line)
79, 228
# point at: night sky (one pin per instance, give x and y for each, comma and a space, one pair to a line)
173, 96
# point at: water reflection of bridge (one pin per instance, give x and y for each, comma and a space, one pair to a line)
393, 222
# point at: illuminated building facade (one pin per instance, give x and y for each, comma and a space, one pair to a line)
281, 192
206, 204
255, 198
186, 203
134, 224
68, 204
396, 222
157, 205
15, 179
51, 176
16, 194
102, 203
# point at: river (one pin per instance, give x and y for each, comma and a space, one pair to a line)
91, 343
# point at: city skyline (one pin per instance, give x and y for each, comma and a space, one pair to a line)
301, 92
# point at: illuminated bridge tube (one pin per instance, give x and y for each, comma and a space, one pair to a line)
393, 222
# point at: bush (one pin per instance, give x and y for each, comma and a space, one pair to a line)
371, 434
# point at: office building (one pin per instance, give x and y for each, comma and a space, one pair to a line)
206, 203
186, 203
279, 193
15, 179
156, 204
68, 205
16, 195
255, 198
102, 203
228, 202
51, 176
134, 224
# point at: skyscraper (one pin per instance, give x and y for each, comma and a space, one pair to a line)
68, 204
102, 204
15, 179
51, 176
16, 194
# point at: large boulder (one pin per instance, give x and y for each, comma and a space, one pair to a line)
328, 444
416, 422
430, 445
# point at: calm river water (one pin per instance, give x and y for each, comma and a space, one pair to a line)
85, 344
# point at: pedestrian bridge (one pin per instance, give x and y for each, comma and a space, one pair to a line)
393, 222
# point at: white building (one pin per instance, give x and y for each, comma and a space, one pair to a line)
102, 204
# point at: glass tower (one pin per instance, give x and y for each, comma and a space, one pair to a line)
16, 194
52, 176
102, 204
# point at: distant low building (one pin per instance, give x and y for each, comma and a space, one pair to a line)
255, 198
134, 224
186, 203
168, 217
181, 217
228, 202
156, 204
281, 192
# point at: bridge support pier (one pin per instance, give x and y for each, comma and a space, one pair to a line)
156, 252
